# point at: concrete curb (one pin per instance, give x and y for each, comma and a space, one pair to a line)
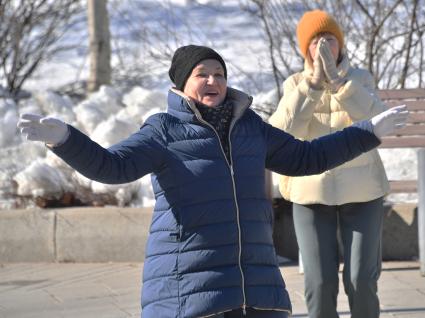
27, 236
115, 234
74, 235
400, 233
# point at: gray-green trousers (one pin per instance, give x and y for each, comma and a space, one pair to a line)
360, 226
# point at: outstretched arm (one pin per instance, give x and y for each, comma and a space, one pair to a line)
289, 156
130, 159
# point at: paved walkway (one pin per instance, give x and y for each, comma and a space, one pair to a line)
34, 290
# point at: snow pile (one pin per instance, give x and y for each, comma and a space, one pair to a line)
265, 103
113, 130
401, 164
28, 170
41, 180
13, 159
142, 102
55, 105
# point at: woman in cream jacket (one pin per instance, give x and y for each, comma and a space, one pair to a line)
326, 97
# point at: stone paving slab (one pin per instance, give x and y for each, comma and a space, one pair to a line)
401, 291
112, 290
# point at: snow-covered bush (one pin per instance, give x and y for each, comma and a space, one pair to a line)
41, 180
27, 169
140, 100
112, 130
55, 105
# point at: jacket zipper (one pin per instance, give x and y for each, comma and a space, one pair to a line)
230, 165
238, 220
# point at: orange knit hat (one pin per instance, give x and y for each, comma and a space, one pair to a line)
314, 22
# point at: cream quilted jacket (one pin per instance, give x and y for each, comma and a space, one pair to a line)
307, 114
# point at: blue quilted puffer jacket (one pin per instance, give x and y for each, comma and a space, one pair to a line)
210, 246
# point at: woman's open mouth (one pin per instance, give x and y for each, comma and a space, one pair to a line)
211, 94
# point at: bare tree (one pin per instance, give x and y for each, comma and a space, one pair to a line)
146, 39
100, 47
145, 43
278, 20
409, 44
29, 34
421, 50
384, 36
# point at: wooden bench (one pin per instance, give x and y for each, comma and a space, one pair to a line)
411, 136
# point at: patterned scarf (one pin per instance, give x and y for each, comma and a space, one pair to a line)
219, 117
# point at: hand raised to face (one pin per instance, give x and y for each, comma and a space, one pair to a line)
318, 73
328, 60
329, 65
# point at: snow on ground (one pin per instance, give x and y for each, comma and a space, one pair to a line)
28, 170
220, 24
401, 164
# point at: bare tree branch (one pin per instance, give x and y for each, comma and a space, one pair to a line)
408, 45
29, 34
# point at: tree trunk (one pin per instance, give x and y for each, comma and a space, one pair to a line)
407, 61
99, 47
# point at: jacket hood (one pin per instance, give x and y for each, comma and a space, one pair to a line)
182, 107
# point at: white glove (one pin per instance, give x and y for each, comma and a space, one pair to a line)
389, 120
318, 77
329, 65
49, 130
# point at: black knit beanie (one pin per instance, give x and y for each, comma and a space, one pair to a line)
185, 60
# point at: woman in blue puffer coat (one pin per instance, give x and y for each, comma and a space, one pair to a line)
210, 250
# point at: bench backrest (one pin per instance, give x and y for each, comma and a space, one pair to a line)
413, 135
